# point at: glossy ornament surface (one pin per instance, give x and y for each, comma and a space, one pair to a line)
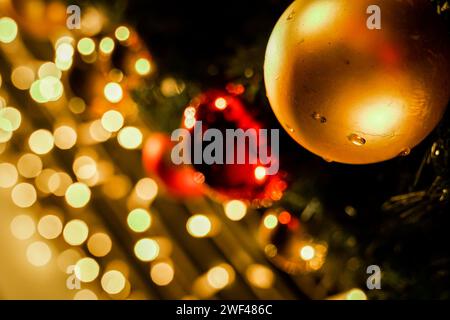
353, 94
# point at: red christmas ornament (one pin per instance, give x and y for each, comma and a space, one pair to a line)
180, 181
221, 110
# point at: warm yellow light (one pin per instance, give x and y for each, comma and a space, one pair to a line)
260, 276
380, 117
356, 294
221, 103
307, 253
8, 30
97, 132
142, 66
130, 138
77, 105
51, 88
39, 254
84, 167
235, 210
139, 220
24, 195
113, 92
29, 165
85, 294
113, 282
42, 180
10, 119
8, 174
122, 33
146, 249
99, 244
50, 226
58, 183
64, 52
270, 221
162, 273
146, 189
49, 69
22, 227
218, 277
317, 16
107, 45
78, 195
75, 232
198, 226
112, 121
87, 269
86, 46
65, 137
260, 173
22, 77
41, 141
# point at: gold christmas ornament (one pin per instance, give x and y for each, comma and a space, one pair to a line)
358, 83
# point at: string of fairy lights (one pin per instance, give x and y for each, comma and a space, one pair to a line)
56, 165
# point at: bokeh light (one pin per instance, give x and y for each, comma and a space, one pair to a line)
142, 66
113, 282
22, 227
75, 232
78, 195
146, 189
260, 276
199, 226
99, 244
113, 92
8, 174
87, 269
162, 273
24, 195
139, 220
146, 249
29, 165
8, 30
122, 33
65, 137
130, 138
41, 141
235, 210
39, 254
112, 121
50, 226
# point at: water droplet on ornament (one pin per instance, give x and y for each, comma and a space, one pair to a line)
405, 152
290, 16
288, 127
357, 140
315, 116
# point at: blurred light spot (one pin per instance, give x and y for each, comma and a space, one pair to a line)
22, 77
85, 294
270, 221
146, 189
8, 30
42, 180
64, 52
139, 220
122, 33
50, 226
65, 137
260, 276
130, 138
58, 183
97, 132
284, 217
84, 167
29, 165
117, 187
86, 46
107, 45
49, 69
235, 210
78, 195
113, 92
171, 87
143, 66
22, 227
112, 121
307, 253
12, 116
146, 249
41, 141
221, 103
8, 174
24, 195
218, 277
87, 269
77, 105
162, 273
51, 88
260, 173
113, 282
199, 226
75, 232
39, 254
356, 294
99, 244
